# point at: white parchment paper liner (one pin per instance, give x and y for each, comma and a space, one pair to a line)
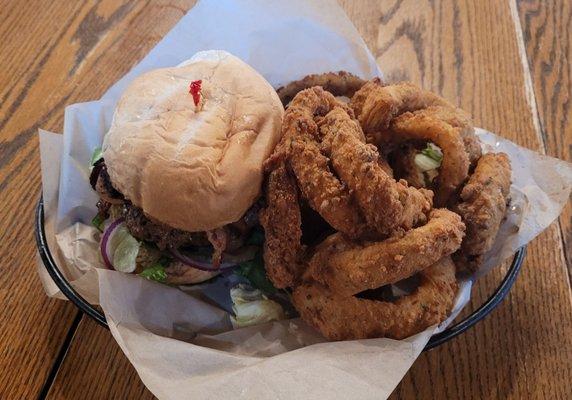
183, 346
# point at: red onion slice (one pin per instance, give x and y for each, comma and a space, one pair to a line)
119, 249
195, 262
103, 246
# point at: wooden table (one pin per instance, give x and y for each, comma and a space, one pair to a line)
507, 62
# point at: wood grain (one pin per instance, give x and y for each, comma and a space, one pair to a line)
547, 34
56, 53
95, 368
51, 54
32, 327
468, 51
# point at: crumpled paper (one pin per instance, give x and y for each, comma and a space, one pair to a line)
182, 345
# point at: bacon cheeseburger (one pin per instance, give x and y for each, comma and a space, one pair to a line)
180, 170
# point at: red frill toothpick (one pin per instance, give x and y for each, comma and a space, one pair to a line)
195, 91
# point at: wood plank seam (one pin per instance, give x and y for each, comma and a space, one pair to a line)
60, 357
530, 97
458, 370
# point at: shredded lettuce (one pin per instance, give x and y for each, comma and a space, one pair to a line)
254, 271
124, 248
425, 163
434, 152
252, 307
429, 159
97, 222
95, 156
155, 273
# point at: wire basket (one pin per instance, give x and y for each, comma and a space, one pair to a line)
449, 333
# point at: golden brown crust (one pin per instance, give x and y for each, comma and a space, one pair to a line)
386, 230
376, 105
341, 317
387, 205
348, 268
462, 125
483, 206
455, 165
340, 83
323, 190
282, 222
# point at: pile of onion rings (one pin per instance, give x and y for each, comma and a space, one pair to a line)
349, 166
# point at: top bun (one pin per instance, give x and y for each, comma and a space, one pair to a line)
194, 168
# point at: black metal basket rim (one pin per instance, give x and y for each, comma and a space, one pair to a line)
449, 333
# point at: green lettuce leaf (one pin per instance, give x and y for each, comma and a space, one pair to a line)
97, 222
124, 250
254, 271
425, 163
429, 159
156, 272
434, 152
95, 156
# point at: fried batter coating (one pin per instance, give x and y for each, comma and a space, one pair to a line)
387, 205
340, 317
404, 165
375, 105
483, 206
384, 165
318, 129
340, 83
282, 222
455, 165
462, 124
338, 120
323, 190
299, 119
348, 267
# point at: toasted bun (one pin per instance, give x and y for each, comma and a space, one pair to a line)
194, 168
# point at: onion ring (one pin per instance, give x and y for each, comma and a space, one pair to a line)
455, 165
461, 123
348, 268
375, 105
483, 206
282, 222
323, 190
357, 164
340, 120
340, 83
341, 317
